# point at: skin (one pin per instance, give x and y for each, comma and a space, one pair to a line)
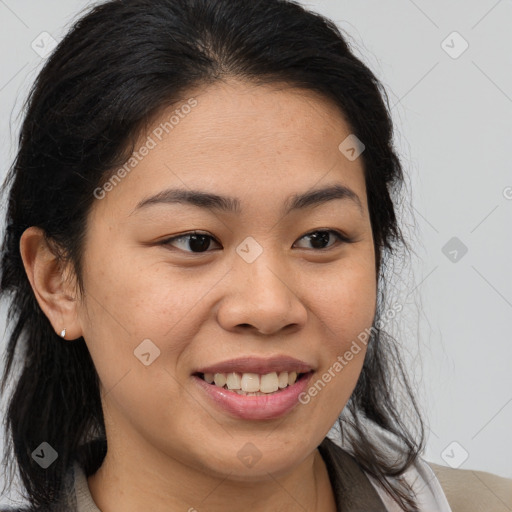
169, 447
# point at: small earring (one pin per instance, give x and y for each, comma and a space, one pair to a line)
63, 333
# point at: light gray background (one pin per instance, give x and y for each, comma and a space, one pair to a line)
453, 118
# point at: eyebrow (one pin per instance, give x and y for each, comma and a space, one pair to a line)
210, 201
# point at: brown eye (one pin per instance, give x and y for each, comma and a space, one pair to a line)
320, 239
191, 242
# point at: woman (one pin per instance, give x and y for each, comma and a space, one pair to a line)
160, 373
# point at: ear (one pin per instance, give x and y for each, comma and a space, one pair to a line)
54, 290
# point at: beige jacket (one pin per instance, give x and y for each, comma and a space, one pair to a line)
474, 491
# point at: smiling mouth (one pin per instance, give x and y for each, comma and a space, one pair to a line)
253, 384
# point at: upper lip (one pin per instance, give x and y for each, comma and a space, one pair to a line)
258, 365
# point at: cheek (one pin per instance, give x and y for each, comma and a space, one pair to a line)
125, 305
344, 301
137, 299
344, 306
129, 302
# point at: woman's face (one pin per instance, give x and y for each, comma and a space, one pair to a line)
271, 288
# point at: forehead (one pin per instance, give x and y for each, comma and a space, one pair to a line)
269, 141
244, 114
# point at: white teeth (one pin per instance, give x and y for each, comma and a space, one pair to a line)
269, 383
283, 380
234, 381
252, 383
220, 379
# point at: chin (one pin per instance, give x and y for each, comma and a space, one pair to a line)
250, 461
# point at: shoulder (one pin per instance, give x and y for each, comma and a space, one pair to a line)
474, 491
422, 482
420, 478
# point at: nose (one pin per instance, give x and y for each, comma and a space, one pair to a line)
261, 296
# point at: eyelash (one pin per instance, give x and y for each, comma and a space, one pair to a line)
340, 236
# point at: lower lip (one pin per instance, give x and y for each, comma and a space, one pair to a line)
256, 407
